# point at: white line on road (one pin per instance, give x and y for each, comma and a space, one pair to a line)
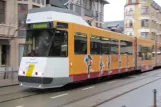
88, 88
111, 82
20, 106
59, 96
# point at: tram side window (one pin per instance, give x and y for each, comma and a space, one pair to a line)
126, 47
139, 50
105, 45
114, 46
146, 53
80, 43
95, 45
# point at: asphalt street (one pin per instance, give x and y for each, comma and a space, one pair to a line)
110, 93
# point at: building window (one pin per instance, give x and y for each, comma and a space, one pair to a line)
80, 43
43, 2
38, 1
22, 7
2, 12
34, 1
133, 1
22, 14
129, 12
144, 35
71, 6
145, 10
78, 2
96, 24
144, 23
4, 54
129, 23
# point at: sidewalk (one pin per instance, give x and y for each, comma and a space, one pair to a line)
11, 80
8, 82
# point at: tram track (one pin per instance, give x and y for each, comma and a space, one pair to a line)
125, 93
94, 94
38, 92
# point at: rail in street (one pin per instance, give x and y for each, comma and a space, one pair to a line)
79, 95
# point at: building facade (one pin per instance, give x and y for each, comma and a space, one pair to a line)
143, 19
12, 23
88, 9
12, 30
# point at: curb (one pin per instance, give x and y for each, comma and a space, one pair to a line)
3, 86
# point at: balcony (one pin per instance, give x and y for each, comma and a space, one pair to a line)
7, 31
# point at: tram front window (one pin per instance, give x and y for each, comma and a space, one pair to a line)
46, 43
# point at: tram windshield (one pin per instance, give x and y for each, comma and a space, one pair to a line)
44, 43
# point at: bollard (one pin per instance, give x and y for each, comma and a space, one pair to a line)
155, 98
12, 77
4, 77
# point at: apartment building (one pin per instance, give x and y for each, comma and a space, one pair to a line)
12, 30
143, 19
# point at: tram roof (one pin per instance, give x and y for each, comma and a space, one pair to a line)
50, 8
50, 13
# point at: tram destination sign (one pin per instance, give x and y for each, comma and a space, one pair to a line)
47, 25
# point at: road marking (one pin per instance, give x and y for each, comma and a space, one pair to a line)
20, 106
59, 96
88, 88
111, 82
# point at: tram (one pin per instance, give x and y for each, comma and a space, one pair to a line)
62, 48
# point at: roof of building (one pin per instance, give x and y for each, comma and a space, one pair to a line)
114, 24
156, 6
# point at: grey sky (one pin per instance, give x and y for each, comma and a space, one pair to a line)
115, 10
